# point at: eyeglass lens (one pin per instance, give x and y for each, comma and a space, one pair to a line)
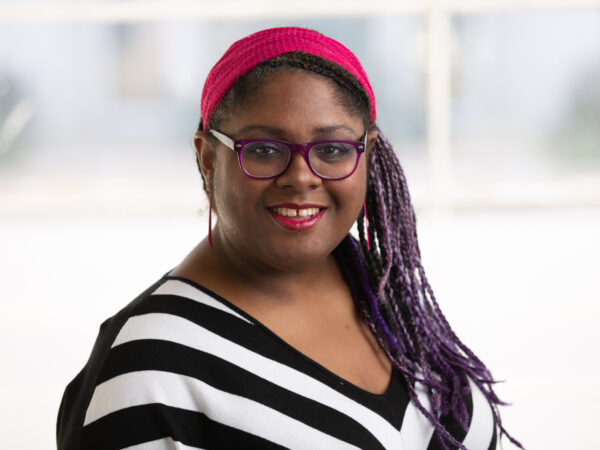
329, 160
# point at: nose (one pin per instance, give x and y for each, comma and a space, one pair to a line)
298, 175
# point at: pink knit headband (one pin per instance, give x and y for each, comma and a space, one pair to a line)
246, 53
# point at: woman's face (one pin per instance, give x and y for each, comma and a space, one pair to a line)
300, 107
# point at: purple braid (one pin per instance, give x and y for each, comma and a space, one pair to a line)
400, 308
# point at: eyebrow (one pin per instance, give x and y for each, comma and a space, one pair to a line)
280, 132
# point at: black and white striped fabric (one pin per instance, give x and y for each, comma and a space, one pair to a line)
182, 368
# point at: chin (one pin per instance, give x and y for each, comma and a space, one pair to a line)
299, 256
295, 259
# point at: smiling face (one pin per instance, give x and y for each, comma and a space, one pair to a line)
272, 223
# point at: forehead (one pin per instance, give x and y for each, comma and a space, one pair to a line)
297, 101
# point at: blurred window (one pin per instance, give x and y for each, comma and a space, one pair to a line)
526, 96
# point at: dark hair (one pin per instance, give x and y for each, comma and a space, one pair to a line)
387, 280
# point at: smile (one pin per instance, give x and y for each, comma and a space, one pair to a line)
297, 217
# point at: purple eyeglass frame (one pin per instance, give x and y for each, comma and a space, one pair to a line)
237, 147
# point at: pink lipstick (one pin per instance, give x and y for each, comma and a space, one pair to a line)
296, 217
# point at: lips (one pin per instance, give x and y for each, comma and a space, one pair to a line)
296, 217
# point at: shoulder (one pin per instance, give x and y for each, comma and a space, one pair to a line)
78, 392
145, 360
480, 433
482, 428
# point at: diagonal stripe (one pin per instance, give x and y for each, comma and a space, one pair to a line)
416, 429
152, 421
182, 331
482, 422
162, 444
179, 391
181, 289
165, 356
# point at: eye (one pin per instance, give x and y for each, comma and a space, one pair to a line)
333, 151
263, 150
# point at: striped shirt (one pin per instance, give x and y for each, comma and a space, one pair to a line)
181, 368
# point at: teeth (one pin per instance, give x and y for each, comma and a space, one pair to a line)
305, 212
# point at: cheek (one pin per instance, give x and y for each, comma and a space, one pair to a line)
350, 193
361, 190
224, 186
235, 195
359, 182
225, 177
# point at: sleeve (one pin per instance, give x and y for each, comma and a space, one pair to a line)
126, 396
158, 394
70, 429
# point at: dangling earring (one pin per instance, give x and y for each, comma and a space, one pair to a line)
210, 220
366, 225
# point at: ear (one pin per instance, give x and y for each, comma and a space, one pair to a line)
206, 154
371, 138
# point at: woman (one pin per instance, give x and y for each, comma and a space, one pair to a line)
280, 330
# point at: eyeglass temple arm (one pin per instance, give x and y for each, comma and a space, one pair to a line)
222, 138
366, 138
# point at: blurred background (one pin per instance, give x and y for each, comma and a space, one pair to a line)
492, 106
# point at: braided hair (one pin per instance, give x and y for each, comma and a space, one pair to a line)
384, 269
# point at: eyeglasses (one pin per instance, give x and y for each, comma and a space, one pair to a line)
269, 158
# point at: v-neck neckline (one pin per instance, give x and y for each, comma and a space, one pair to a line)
335, 378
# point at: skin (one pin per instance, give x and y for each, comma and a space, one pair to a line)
288, 280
